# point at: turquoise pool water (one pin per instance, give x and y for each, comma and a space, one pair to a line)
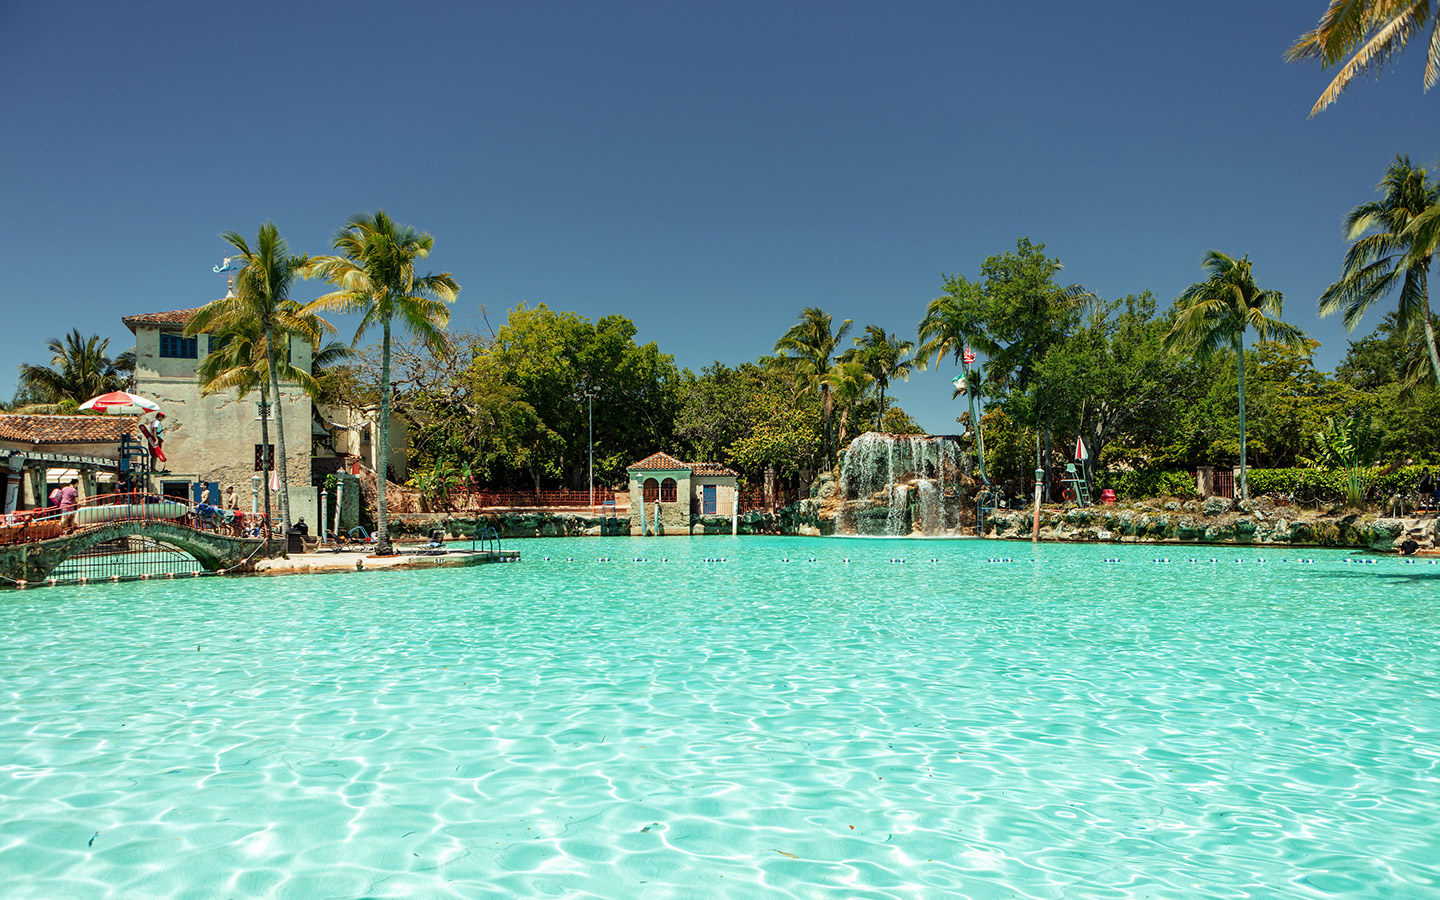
979, 720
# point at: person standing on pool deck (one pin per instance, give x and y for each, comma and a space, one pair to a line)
69, 497
1426, 489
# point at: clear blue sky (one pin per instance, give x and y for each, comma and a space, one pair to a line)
707, 169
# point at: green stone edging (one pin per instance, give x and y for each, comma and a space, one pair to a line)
1194, 522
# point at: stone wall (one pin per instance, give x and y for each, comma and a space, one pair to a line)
413, 526
1213, 521
802, 518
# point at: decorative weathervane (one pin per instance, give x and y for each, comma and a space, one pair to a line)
225, 266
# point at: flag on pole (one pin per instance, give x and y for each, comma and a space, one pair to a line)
1080, 453
274, 480
968, 356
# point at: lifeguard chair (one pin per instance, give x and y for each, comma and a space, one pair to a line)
1074, 487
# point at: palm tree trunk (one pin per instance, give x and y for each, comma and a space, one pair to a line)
265, 453
827, 407
980, 436
1430, 339
1240, 369
279, 428
382, 447
880, 416
1048, 458
974, 424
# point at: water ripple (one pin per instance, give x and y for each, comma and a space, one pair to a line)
1055, 727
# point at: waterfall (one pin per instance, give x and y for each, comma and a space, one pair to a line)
901, 484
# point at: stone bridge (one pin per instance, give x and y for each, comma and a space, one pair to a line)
35, 560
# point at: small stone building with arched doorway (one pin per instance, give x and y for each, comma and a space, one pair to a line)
678, 494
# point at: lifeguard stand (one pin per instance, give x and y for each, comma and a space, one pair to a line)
1075, 486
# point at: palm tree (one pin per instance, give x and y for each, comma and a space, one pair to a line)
1376, 30
79, 369
848, 381
375, 274
238, 361
811, 344
885, 357
952, 325
261, 303
1213, 315
1389, 250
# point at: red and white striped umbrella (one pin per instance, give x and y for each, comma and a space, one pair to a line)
121, 403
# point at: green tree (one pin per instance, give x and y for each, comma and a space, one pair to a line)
848, 381
742, 416
1113, 381
1382, 256
261, 303
554, 359
1288, 401
1391, 366
784, 435
1213, 315
375, 274
810, 344
886, 357
1015, 314
1376, 31
953, 322
1025, 312
79, 369
709, 417
898, 421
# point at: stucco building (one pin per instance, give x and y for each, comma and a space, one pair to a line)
677, 494
216, 438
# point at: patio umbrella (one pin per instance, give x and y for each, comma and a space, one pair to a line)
121, 403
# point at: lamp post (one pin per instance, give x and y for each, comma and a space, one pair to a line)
969, 386
589, 394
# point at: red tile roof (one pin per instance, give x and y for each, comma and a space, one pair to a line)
66, 429
711, 469
664, 462
175, 317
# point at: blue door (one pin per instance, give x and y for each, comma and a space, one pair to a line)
708, 504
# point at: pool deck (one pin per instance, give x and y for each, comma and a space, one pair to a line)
326, 561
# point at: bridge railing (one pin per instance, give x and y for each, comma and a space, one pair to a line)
33, 525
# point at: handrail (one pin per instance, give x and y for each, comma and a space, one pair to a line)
47, 523
488, 538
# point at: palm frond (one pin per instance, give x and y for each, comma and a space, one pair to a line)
1375, 30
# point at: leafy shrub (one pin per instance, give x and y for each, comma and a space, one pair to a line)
1137, 485
1332, 484
1306, 485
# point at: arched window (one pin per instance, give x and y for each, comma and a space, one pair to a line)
667, 491
652, 490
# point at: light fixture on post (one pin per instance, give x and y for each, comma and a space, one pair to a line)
588, 394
